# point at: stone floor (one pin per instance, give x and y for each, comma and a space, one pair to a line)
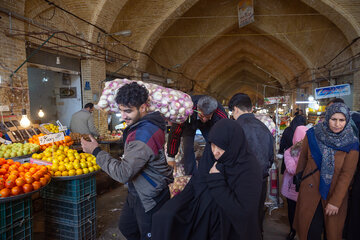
109, 207
110, 200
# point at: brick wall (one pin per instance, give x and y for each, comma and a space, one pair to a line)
12, 55
94, 72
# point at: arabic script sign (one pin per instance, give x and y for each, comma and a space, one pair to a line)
332, 91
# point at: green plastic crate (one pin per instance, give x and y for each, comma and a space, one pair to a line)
14, 212
73, 191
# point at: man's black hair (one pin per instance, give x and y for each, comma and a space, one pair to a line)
89, 105
241, 101
335, 100
132, 95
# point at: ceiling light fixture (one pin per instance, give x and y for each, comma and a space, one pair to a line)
24, 122
41, 113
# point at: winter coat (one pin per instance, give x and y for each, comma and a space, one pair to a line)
309, 195
260, 140
144, 164
288, 188
188, 128
83, 122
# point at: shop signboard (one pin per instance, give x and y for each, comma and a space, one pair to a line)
332, 91
245, 12
274, 100
50, 138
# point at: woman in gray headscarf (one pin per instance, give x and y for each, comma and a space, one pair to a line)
328, 160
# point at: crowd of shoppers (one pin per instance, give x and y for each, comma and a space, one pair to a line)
225, 197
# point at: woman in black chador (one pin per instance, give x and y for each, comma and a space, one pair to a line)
221, 200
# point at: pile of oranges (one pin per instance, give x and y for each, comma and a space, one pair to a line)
17, 178
66, 142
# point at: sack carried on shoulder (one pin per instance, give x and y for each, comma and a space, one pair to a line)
298, 178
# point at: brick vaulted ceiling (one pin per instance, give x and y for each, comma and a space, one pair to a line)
201, 38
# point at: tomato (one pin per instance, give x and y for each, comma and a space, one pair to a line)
20, 182
5, 192
29, 179
3, 171
9, 184
43, 181
18, 164
27, 188
36, 185
16, 190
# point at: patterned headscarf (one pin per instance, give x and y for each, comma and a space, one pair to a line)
330, 142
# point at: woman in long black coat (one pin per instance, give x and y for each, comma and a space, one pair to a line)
221, 200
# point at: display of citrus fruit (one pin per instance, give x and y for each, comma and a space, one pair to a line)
17, 178
67, 162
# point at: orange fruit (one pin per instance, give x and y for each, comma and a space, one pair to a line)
27, 188
36, 176
29, 179
32, 170
11, 177
20, 181
10, 184
5, 192
43, 181
5, 166
36, 185
16, 190
10, 161
26, 165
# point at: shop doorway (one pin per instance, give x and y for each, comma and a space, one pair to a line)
59, 95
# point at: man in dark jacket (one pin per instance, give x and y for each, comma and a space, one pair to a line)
207, 111
143, 165
259, 138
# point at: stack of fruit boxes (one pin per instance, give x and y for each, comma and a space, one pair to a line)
16, 219
70, 209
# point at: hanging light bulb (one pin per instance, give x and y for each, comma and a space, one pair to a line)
41, 113
24, 122
58, 60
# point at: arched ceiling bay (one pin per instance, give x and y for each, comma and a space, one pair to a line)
286, 38
201, 39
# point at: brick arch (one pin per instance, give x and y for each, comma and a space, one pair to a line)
244, 65
344, 18
235, 53
243, 77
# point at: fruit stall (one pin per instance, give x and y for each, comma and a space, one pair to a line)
46, 166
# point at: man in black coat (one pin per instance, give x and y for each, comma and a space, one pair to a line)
207, 111
259, 138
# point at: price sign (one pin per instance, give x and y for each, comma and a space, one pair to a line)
50, 138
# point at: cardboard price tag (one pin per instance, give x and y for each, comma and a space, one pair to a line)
50, 138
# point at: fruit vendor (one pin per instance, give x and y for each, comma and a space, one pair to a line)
83, 122
143, 165
207, 111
